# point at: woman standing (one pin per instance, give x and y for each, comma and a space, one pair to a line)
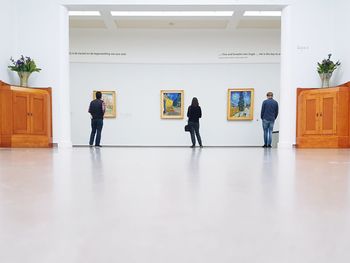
194, 112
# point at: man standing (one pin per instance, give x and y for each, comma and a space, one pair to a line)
97, 110
269, 112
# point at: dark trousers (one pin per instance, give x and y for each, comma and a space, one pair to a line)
195, 130
96, 126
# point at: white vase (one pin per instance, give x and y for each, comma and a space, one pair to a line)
23, 78
325, 77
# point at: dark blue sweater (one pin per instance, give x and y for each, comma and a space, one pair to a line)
269, 110
96, 109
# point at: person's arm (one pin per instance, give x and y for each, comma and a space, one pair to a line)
276, 112
188, 112
103, 107
200, 113
262, 110
89, 110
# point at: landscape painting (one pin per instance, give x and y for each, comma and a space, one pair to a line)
109, 98
240, 104
171, 104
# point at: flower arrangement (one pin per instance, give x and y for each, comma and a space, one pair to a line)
24, 64
327, 65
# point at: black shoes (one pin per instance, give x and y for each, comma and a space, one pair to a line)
98, 146
267, 146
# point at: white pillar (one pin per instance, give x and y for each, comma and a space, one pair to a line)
64, 129
287, 98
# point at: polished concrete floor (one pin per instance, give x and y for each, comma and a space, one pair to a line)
174, 205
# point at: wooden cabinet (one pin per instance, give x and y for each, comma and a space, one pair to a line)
25, 116
31, 113
323, 117
319, 114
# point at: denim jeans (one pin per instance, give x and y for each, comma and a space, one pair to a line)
96, 126
268, 128
195, 130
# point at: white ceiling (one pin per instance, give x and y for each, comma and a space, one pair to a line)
107, 22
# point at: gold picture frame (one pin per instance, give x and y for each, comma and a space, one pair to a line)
240, 104
109, 98
171, 104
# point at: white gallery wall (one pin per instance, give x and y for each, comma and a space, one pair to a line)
154, 60
307, 37
7, 26
342, 53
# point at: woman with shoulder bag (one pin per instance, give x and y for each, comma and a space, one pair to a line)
194, 112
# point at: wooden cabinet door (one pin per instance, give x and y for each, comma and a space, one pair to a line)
328, 111
310, 114
21, 112
39, 114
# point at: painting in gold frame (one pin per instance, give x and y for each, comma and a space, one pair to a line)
172, 104
109, 98
240, 104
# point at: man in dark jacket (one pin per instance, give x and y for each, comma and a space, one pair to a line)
97, 110
269, 113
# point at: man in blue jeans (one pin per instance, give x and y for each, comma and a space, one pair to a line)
97, 110
269, 113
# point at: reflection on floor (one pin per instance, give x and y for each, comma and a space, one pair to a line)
174, 205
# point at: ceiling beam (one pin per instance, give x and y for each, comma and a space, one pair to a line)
234, 21
108, 20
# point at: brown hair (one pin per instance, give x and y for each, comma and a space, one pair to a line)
269, 94
194, 102
98, 95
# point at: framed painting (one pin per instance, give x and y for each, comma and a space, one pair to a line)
172, 104
240, 104
109, 98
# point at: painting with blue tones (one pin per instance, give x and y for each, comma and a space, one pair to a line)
171, 104
240, 104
